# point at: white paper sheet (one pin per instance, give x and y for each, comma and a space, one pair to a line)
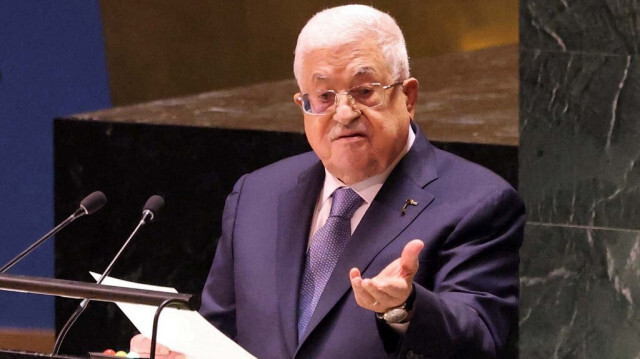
180, 330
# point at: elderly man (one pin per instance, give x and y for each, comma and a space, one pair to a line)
376, 244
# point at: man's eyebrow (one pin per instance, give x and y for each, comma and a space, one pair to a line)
365, 70
319, 76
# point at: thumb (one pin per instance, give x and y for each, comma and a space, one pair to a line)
409, 257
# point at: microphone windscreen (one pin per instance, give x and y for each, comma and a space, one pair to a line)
154, 204
93, 202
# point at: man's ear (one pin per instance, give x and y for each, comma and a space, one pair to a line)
410, 88
297, 98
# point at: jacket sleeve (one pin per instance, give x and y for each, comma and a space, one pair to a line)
218, 295
473, 305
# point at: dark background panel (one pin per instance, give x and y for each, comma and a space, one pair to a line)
192, 168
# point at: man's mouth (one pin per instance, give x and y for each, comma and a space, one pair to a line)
349, 136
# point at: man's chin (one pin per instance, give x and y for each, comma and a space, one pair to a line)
351, 149
351, 171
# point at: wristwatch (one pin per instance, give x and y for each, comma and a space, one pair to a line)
400, 314
397, 315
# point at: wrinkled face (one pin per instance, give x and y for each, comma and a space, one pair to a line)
354, 145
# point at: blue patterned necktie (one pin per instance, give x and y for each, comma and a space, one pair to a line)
323, 253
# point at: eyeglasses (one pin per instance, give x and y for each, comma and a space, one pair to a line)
322, 102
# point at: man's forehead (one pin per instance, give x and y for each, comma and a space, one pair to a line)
365, 71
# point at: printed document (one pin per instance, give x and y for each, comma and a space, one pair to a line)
181, 331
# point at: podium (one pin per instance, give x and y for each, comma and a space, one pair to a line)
17, 354
92, 291
14, 354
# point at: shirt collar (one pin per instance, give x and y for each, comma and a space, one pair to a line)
367, 188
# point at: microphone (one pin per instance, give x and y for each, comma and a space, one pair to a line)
151, 208
153, 205
89, 205
93, 202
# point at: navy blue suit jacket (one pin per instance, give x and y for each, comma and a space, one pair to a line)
470, 220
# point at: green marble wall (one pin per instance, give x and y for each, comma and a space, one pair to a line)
579, 145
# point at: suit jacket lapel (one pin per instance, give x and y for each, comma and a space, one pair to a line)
382, 223
295, 210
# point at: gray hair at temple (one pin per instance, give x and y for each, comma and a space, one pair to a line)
350, 24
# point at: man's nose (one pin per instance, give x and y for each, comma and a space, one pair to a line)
346, 110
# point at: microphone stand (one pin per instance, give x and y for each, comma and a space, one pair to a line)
83, 305
156, 319
77, 214
89, 205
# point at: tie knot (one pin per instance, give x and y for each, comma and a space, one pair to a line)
345, 202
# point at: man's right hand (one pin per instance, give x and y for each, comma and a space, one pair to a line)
142, 345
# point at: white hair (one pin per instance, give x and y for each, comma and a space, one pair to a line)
350, 24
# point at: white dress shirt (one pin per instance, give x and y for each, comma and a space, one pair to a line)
367, 189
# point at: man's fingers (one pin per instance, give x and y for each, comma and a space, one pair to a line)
392, 286
382, 295
354, 273
363, 298
142, 345
409, 257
